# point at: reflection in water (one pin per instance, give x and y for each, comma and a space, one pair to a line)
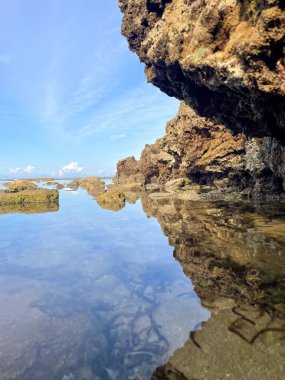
91, 294
235, 257
29, 208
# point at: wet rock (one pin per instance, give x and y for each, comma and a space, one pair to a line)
74, 185
19, 185
29, 196
94, 185
235, 343
59, 186
113, 199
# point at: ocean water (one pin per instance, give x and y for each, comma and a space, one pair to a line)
88, 294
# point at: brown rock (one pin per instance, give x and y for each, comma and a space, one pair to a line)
225, 60
129, 173
19, 185
29, 196
114, 199
94, 185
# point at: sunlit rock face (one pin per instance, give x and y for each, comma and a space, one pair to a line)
210, 155
129, 172
234, 257
225, 60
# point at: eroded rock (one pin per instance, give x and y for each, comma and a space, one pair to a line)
113, 199
129, 173
225, 60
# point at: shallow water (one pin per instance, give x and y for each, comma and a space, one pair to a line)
88, 294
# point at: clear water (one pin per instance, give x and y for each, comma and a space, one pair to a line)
87, 293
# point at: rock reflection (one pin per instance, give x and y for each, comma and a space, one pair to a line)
87, 297
29, 208
236, 261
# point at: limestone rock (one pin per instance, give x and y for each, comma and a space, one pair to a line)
225, 61
113, 199
29, 196
94, 185
177, 184
19, 185
225, 58
129, 172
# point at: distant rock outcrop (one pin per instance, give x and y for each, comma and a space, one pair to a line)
129, 172
26, 192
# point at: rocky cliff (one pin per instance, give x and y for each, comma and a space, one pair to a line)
225, 61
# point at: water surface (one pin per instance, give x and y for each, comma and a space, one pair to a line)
89, 294
163, 289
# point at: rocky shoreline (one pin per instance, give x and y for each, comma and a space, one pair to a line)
26, 192
225, 62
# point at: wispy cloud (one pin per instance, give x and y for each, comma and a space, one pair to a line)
66, 101
140, 107
117, 137
72, 167
25, 169
85, 90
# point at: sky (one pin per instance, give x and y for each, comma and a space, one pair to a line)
73, 99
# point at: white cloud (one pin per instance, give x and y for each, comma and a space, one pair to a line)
72, 167
25, 169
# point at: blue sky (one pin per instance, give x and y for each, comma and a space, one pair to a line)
73, 98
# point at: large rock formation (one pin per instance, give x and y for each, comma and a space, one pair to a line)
225, 60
